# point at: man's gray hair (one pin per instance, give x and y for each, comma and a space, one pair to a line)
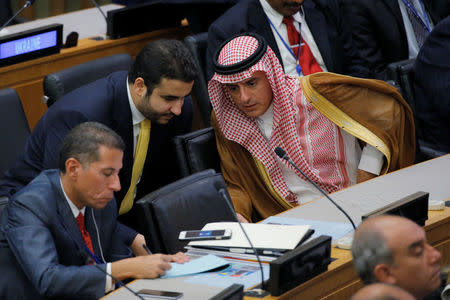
369, 249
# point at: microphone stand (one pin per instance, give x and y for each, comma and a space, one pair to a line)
28, 3
89, 259
228, 201
101, 11
282, 154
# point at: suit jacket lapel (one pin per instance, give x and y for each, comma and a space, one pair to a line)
65, 215
257, 22
123, 125
394, 8
318, 27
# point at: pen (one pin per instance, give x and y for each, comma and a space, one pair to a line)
146, 249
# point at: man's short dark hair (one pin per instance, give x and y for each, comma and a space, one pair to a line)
83, 142
160, 59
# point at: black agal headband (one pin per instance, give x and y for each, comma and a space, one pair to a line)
244, 64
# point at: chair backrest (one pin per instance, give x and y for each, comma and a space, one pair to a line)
3, 203
402, 72
197, 151
60, 83
197, 44
233, 292
5, 12
186, 204
14, 129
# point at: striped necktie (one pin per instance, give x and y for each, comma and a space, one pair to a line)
306, 59
419, 28
86, 237
138, 165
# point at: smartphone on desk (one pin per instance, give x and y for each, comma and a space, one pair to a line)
155, 294
198, 235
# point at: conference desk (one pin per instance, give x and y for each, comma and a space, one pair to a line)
27, 77
341, 281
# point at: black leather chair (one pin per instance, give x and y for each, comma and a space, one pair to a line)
196, 151
14, 129
3, 203
402, 73
6, 13
60, 83
197, 44
186, 204
233, 292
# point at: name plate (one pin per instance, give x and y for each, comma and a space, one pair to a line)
30, 44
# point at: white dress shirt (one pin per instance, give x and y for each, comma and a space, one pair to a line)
136, 117
413, 47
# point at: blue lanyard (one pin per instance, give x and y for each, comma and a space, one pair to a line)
92, 255
298, 69
410, 6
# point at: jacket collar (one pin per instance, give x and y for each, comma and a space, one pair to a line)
68, 220
123, 124
257, 22
394, 8
318, 27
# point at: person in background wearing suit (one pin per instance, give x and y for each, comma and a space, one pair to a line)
258, 108
5, 12
387, 31
394, 250
432, 88
63, 217
319, 27
145, 106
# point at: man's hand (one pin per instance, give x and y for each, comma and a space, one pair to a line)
152, 266
136, 246
241, 218
179, 258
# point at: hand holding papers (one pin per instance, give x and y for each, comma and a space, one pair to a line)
263, 236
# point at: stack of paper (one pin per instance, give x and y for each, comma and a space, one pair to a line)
262, 236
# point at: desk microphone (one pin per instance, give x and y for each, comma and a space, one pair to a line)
282, 154
28, 3
91, 261
228, 201
101, 11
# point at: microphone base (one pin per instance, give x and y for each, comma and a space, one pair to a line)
4, 31
257, 291
299, 265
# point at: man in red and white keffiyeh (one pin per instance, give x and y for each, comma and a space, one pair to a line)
258, 108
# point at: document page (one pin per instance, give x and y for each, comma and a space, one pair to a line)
263, 236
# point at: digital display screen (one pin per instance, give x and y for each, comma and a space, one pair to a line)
191, 234
28, 44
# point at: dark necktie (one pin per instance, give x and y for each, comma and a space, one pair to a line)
417, 24
84, 233
306, 60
